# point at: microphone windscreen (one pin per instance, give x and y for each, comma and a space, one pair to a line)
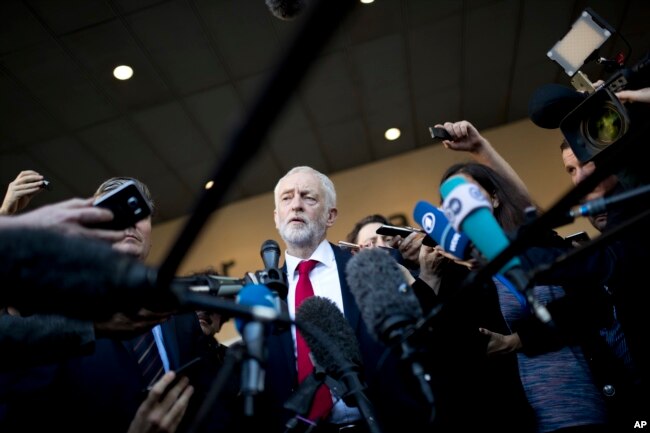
286, 9
436, 225
253, 295
47, 272
551, 103
380, 290
326, 316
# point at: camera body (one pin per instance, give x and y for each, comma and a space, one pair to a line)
275, 279
602, 120
600, 128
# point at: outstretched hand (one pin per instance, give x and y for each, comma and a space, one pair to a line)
123, 326
162, 411
68, 217
500, 344
639, 95
20, 192
465, 137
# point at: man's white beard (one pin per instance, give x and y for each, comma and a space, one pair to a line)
309, 234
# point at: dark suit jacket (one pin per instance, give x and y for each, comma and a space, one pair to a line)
473, 392
102, 391
390, 391
42, 339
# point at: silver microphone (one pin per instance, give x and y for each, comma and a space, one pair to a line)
215, 285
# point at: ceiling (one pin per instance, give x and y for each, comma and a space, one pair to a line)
199, 65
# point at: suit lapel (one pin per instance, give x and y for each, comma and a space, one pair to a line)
352, 313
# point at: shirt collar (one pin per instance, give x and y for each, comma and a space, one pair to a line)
323, 253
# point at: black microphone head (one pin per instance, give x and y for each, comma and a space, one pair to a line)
385, 299
270, 253
342, 344
286, 9
551, 103
44, 271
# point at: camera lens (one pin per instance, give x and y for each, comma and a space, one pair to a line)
605, 126
133, 202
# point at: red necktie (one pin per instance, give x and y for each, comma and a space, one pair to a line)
323, 399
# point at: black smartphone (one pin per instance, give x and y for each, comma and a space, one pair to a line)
127, 204
388, 230
185, 370
439, 133
188, 367
579, 238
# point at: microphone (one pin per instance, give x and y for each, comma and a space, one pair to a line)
335, 348
286, 9
253, 333
600, 205
270, 253
551, 103
272, 276
218, 285
437, 226
47, 272
215, 285
470, 211
388, 306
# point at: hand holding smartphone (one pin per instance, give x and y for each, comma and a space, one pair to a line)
388, 230
127, 204
184, 370
438, 133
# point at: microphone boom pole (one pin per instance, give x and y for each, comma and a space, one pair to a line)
321, 22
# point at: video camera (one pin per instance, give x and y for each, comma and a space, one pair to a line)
601, 127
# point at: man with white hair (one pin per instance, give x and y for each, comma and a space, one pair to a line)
305, 208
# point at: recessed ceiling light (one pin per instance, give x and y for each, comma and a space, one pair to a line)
209, 184
392, 134
367, 2
123, 72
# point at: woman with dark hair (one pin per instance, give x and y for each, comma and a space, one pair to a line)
557, 381
364, 232
509, 203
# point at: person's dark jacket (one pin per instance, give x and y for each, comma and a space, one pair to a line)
396, 402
